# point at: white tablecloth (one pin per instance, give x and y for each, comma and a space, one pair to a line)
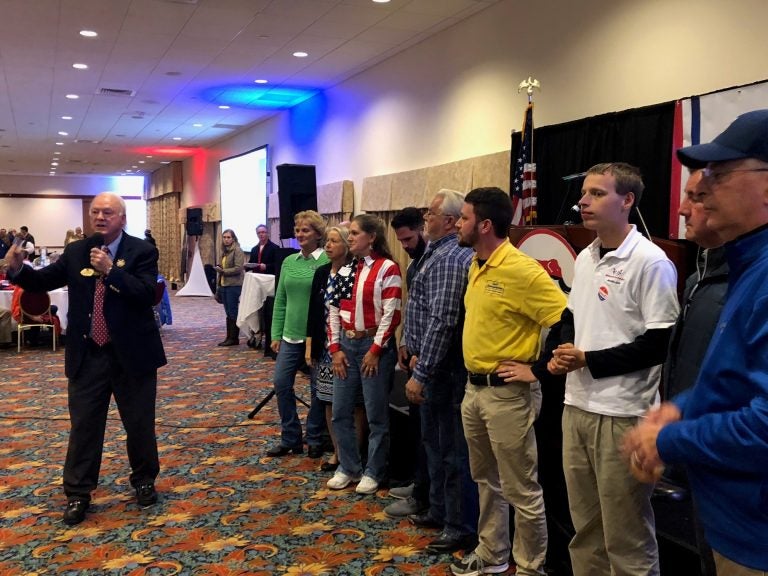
59, 297
256, 288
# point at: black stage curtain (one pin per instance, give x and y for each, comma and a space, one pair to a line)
641, 137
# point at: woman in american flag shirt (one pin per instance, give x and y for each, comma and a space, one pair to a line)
363, 315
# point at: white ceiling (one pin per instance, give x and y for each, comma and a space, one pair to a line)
167, 52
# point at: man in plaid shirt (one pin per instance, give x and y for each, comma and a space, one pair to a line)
432, 335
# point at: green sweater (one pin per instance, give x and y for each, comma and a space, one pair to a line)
289, 316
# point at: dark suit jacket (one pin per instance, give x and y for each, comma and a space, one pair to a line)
268, 256
127, 302
316, 326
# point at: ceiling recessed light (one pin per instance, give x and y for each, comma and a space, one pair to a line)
142, 162
72, 96
129, 170
381, 1
63, 133
197, 125
149, 156
134, 166
66, 117
54, 163
177, 138
51, 173
261, 81
57, 152
224, 107
59, 143
88, 33
300, 54
80, 66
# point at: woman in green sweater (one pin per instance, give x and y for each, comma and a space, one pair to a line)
289, 334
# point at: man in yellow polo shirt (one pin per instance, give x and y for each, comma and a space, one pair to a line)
509, 299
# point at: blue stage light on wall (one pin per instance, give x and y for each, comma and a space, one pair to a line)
257, 97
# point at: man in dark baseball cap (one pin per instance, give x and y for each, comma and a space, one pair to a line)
719, 429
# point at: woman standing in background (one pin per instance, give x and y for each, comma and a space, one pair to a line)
230, 284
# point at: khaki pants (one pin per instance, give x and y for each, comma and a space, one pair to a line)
727, 567
498, 425
611, 511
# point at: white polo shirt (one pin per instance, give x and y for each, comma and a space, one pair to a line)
614, 299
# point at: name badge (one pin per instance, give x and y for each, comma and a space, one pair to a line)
494, 288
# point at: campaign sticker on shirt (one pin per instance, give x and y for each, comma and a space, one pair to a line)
602, 293
494, 288
345, 271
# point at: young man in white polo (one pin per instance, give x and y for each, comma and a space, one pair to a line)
621, 310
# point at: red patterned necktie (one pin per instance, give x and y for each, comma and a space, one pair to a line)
99, 332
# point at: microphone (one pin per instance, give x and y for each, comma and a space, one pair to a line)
96, 240
575, 208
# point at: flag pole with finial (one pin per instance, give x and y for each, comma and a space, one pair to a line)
524, 170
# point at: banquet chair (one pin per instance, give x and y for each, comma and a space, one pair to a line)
35, 312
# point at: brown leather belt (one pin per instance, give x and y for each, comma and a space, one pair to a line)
357, 334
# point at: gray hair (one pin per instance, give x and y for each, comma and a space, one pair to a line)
452, 202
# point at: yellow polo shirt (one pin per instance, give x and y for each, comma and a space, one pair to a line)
508, 301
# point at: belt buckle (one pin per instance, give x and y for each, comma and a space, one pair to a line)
350, 334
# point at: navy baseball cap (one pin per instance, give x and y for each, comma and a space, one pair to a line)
746, 137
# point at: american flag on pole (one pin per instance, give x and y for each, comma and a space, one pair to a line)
524, 180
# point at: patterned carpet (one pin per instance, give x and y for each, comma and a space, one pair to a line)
224, 508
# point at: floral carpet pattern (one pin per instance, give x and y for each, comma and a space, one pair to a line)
224, 509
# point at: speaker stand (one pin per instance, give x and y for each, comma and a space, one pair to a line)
264, 401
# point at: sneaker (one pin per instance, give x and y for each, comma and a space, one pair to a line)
367, 486
401, 492
473, 565
404, 508
340, 480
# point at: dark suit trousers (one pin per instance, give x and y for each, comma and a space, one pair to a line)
99, 377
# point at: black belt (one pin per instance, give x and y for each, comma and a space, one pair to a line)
492, 379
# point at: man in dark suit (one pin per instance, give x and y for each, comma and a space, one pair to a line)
263, 255
262, 261
113, 347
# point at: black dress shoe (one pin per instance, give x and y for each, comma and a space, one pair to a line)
329, 466
315, 451
146, 494
75, 512
424, 521
445, 544
280, 450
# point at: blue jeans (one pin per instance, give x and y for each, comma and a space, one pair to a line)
230, 297
376, 396
453, 498
289, 360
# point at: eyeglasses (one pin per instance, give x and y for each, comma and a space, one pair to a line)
430, 213
716, 176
